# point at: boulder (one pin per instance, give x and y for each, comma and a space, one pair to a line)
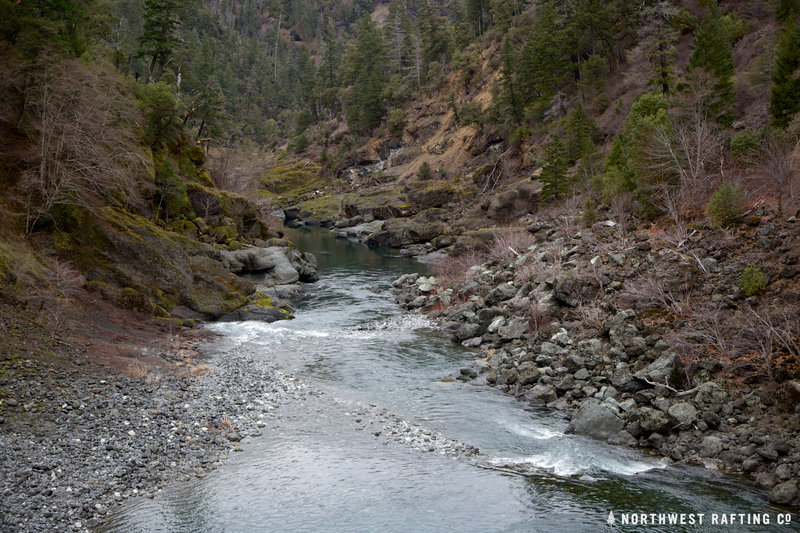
597, 419
784, 493
653, 421
667, 369
515, 329
255, 312
568, 290
682, 415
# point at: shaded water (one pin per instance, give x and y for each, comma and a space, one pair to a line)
313, 470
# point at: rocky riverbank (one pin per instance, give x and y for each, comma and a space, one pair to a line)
641, 339
84, 441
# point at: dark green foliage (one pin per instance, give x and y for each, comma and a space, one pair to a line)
746, 146
589, 214
554, 177
363, 71
170, 196
300, 142
397, 121
726, 206
582, 134
424, 171
785, 96
713, 53
626, 163
159, 35
161, 108
787, 10
753, 281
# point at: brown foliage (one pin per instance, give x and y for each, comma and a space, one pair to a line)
83, 147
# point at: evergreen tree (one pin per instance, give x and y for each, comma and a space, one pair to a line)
554, 178
714, 54
787, 10
785, 95
653, 57
363, 67
159, 35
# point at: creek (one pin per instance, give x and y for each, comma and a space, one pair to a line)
320, 467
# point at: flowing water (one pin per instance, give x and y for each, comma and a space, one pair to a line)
313, 470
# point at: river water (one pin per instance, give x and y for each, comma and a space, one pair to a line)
314, 470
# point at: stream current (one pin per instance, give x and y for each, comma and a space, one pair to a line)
313, 471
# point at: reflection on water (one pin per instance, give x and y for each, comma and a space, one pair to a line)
312, 470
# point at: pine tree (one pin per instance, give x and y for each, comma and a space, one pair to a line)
363, 67
159, 34
714, 54
787, 10
554, 176
785, 95
654, 55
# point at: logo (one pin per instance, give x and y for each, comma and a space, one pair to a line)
611, 520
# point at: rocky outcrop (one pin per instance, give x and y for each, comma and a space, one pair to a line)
174, 275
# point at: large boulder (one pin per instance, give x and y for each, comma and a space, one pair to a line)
667, 369
255, 312
597, 419
279, 265
569, 291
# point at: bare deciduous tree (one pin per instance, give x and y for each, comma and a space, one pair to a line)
778, 169
86, 147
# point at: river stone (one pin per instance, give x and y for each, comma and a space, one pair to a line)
515, 329
496, 323
574, 362
501, 293
682, 415
426, 284
582, 374
597, 419
256, 313
548, 348
542, 394
653, 421
710, 446
784, 493
528, 374
667, 369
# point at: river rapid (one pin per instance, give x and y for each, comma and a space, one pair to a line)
382, 444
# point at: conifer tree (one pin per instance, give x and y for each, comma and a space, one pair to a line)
159, 34
714, 54
363, 67
554, 178
785, 96
654, 56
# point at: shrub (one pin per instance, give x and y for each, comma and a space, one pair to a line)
424, 172
753, 281
397, 121
589, 215
726, 206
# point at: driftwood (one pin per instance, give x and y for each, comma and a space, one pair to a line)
672, 389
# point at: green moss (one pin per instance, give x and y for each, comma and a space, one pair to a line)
261, 299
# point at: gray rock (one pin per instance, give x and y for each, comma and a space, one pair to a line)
574, 362
542, 393
582, 374
501, 293
597, 419
711, 446
784, 493
653, 421
682, 415
528, 374
515, 329
255, 313
666, 369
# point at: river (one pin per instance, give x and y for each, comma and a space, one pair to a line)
320, 467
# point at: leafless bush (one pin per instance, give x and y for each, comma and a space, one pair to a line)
538, 316
778, 170
591, 317
668, 200
86, 151
53, 295
452, 269
765, 341
234, 169
649, 292
508, 244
